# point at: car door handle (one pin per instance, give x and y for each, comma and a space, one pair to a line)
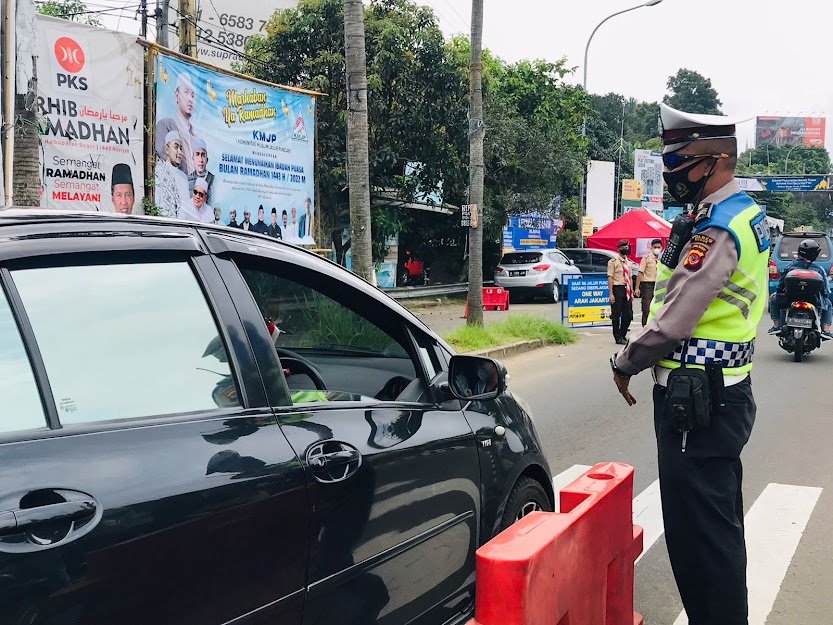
336, 457
28, 518
333, 461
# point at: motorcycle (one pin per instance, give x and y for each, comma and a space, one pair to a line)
804, 290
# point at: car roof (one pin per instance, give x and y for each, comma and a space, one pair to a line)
39, 216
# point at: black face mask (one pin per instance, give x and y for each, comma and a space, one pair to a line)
681, 188
624, 251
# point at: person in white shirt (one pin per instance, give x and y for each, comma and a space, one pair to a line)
198, 209
170, 184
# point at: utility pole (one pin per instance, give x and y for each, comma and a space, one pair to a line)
9, 60
162, 20
188, 28
477, 131
143, 12
358, 165
25, 182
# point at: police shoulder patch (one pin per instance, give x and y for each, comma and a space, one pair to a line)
694, 260
761, 231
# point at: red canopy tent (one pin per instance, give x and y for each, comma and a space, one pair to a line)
639, 226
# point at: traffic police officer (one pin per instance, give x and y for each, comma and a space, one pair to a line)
705, 314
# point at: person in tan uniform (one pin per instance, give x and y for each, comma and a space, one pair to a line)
621, 297
647, 278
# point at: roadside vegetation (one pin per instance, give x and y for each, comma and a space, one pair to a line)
514, 329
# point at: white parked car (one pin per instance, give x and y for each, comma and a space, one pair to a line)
534, 273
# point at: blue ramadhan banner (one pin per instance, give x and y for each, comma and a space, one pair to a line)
245, 144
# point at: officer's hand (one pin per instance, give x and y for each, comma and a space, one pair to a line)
622, 382
612, 298
637, 293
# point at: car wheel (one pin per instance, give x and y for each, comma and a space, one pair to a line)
556, 292
527, 496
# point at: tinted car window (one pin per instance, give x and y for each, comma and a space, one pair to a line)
21, 408
579, 257
520, 258
600, 259
788, 249
357, 359
130, 340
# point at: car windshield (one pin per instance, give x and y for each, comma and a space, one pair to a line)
520, 258
789, 247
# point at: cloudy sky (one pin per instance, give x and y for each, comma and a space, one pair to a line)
764, 57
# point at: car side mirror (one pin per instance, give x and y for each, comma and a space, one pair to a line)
474, 378
570, 261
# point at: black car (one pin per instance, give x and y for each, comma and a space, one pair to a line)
592, 260
206, 426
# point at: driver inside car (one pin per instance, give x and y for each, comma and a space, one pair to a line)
808, 252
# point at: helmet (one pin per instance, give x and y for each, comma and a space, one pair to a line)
809, 250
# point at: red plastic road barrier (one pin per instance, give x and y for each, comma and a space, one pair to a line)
568, 568
495, 298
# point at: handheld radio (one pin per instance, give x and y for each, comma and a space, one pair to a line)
681, 231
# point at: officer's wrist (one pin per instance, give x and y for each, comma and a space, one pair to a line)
616, 369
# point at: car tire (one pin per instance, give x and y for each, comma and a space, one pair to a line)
526, 496
556, 292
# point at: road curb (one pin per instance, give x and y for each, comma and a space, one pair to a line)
513, 349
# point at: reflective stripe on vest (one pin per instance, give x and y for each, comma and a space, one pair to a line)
733, 316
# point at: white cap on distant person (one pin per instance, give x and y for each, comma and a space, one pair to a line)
184, 80
199, 144
201, 184
173, 135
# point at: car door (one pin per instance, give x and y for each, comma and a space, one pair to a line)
393, 474
582, 260
145, 478
600, 262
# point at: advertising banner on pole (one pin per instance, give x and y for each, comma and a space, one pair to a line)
647, 169
224, 27
778, 131
601, 192
233, 151
91, 109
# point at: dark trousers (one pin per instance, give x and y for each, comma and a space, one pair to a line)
646, 293
703, 510
621, 312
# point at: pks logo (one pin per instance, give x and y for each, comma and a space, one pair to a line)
70, 55
72, 71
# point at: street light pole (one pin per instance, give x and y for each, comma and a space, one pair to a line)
787, 159
649, 3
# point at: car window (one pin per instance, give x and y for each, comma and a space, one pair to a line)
788, 250
21, 408
521, 258
558, 257
126, 340
600, 259
579, 257
356, 359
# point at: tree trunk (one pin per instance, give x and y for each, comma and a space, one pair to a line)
358, 175
27, 183
477, 131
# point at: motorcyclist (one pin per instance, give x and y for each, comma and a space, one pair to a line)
808, 252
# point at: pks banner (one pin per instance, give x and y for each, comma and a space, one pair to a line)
90, 108
233, 151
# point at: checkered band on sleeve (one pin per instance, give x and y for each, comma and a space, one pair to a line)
707, 352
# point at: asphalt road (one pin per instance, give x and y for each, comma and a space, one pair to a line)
788, 464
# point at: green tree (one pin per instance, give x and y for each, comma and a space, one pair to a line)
417, 97
692, 92
72, 10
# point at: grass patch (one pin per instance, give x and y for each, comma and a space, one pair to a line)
513, 329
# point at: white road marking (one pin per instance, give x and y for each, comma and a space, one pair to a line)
647, 513
565, 477
774, 526
647, 507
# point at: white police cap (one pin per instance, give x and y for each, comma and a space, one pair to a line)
680, 128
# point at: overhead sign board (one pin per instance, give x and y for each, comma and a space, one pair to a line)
786, 184
778, 131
